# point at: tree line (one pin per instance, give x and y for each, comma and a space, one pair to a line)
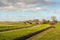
43, 21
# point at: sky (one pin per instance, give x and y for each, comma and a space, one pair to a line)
21, 10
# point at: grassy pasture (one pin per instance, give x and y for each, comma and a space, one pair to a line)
12, 25
53, 34
19, 33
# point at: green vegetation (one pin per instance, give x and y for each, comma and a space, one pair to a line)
29, 27
53, 34
8, 26
19, 33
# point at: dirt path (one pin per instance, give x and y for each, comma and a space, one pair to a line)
35, 37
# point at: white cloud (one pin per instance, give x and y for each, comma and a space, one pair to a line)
24, 5
49, 0
57, 11
53, 11
8, 8
30, 9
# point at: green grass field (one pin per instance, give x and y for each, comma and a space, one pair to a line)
19, 33
53, 34
13, 25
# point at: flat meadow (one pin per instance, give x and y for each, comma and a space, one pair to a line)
11, 35
12, 25
52, 34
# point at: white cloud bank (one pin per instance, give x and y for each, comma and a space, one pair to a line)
25, 5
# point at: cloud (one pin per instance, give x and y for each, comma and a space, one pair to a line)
48, 0
25, 5
31, 9
57, 11
8, 8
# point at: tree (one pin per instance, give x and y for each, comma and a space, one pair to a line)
44, 21
36, 21
54, 19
